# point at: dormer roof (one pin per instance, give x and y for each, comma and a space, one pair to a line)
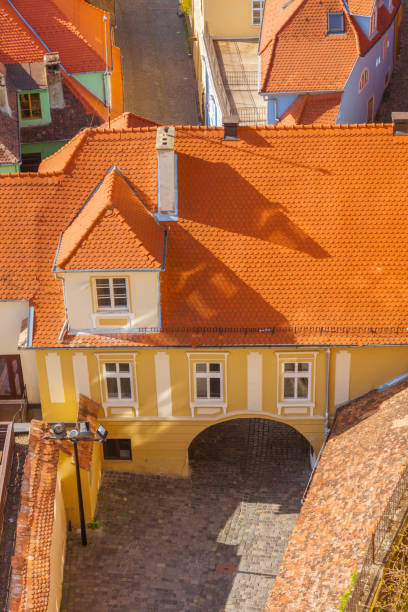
112, 231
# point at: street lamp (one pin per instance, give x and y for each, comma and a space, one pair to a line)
80, 432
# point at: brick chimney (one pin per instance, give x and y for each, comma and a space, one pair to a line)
166, 168
54, 81
400, 123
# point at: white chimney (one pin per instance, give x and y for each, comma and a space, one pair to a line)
166, 168
54, 81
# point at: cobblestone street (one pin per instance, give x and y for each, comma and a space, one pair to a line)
208, 544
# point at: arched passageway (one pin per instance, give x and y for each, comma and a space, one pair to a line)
210, 543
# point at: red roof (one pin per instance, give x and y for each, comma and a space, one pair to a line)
112, 231
290, 235
308, 109
296, 53
19, 44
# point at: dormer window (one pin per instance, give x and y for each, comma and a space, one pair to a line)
112, 293
335, 23
373, 21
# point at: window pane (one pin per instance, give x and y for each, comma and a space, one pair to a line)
302, 387
24, 106
117, 449
110, 367
124, 367
119, 282
125, 388
215, 388
122, 301
336, 22
201, 387
289, 367
112, 387
201, 367
215, 367
303, 367
102, 282
35, 106
289, 388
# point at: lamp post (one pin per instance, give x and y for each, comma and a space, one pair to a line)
81, 432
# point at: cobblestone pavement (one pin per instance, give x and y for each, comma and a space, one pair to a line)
396, 97
10, 517
158, 74
168, 544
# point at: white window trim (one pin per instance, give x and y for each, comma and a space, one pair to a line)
111, 309
115, 406
289, 357
117, 376
221, 358
261, 10
207, 375
297, 374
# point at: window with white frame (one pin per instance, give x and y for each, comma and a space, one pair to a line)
112, 293
118, 381
297, 378
208, 381
257, 11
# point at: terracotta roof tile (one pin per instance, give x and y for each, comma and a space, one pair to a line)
296, 53
18, 44
361, 7
114, 230
129, 120
368, 445
290, 230
60, 34
309, 109
30, 580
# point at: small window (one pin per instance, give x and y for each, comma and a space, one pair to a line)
385, 49
257, 12
373, 21
30, 162
117, 449
118, 381
30, 105
387, 77
365, 75
208, 381
112, 293
335, 23
297, 381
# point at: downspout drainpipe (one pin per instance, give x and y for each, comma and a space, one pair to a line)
326, 423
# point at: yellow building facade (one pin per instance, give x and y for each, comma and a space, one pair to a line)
164, 409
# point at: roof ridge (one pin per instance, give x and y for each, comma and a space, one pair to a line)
71, 147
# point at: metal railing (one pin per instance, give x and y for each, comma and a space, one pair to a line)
242, 78
251, 115
382, 539
216, 74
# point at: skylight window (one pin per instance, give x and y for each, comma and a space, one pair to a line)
335, 23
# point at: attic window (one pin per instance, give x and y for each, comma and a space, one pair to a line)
335, 23
30, 105
373, 21
112, 293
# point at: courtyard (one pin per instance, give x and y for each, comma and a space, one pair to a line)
210, 543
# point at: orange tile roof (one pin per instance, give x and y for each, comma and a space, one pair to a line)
18, 44
361, 7
358, 473
308, 109
30, 580
129, 120
113, 230
60, 34
297, 55
290, 230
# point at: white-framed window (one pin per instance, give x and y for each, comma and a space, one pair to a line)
297, 378
335, 23
118, 381
112, 293
365, 75
208, 381
257, 12
373, 21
